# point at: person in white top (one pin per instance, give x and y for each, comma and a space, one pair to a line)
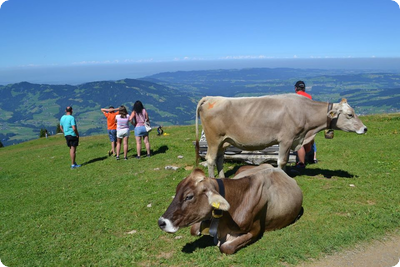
122, 121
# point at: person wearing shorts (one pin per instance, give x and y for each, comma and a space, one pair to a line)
122, 121
300, 89
70, 129
138, 117
110, 114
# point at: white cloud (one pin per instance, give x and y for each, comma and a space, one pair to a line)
86, 62
144, 60
29, 66
188, 59
115, 61
245, 57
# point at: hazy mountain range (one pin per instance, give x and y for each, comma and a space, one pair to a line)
171, 97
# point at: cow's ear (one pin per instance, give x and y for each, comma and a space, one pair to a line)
217, 201
332, 114
344, 100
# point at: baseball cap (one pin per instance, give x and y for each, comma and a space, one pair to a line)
300, 84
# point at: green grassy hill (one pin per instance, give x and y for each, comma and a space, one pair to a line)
26, 107
105, 213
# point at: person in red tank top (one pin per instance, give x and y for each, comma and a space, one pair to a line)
300, 88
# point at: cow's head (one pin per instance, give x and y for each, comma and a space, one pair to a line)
195, 198
344, 118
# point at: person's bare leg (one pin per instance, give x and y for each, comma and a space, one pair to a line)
138, 145
147, 144
301, 154
113, 147
126, 147
72, 154
119, 140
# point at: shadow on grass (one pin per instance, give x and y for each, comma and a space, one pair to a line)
105, 157
94, 160
328, 174
202, 242
160, 150
293, 172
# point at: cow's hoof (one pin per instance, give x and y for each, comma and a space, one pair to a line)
195, 229
227, 249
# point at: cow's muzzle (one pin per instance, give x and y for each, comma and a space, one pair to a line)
166, 225
362, 130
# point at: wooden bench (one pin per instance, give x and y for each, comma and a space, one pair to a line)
267, 155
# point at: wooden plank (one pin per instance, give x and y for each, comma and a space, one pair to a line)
267, 155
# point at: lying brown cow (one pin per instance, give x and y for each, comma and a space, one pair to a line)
254, 123
259, 199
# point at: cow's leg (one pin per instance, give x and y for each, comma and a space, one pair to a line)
284, 149
233, 244
211, 166
220, 164
211, 158
195, 229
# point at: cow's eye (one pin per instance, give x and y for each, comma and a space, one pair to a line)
350, 115
188, 197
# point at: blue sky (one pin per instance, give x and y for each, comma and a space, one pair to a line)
56, 34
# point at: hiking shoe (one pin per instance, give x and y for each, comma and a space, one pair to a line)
117, 157
148, 155
74, 166
315, 161
300, 165
126, 158
138, 157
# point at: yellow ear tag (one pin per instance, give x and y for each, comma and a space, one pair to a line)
215, 205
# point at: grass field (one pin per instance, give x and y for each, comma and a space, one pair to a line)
105, 213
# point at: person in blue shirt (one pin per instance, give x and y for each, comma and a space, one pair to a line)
70, 129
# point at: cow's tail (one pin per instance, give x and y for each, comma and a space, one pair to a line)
197, 136
197, 131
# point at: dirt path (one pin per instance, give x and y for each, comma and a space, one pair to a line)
378, 253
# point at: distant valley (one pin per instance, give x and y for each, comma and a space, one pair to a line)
171, 97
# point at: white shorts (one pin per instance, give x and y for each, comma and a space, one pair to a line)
123, 133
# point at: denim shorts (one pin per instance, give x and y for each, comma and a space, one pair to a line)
141, 131
113, 135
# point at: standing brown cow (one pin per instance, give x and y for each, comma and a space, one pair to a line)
254, 123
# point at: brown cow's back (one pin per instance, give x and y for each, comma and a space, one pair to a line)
281, 194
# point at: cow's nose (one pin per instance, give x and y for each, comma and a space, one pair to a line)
161, 223
365, 129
